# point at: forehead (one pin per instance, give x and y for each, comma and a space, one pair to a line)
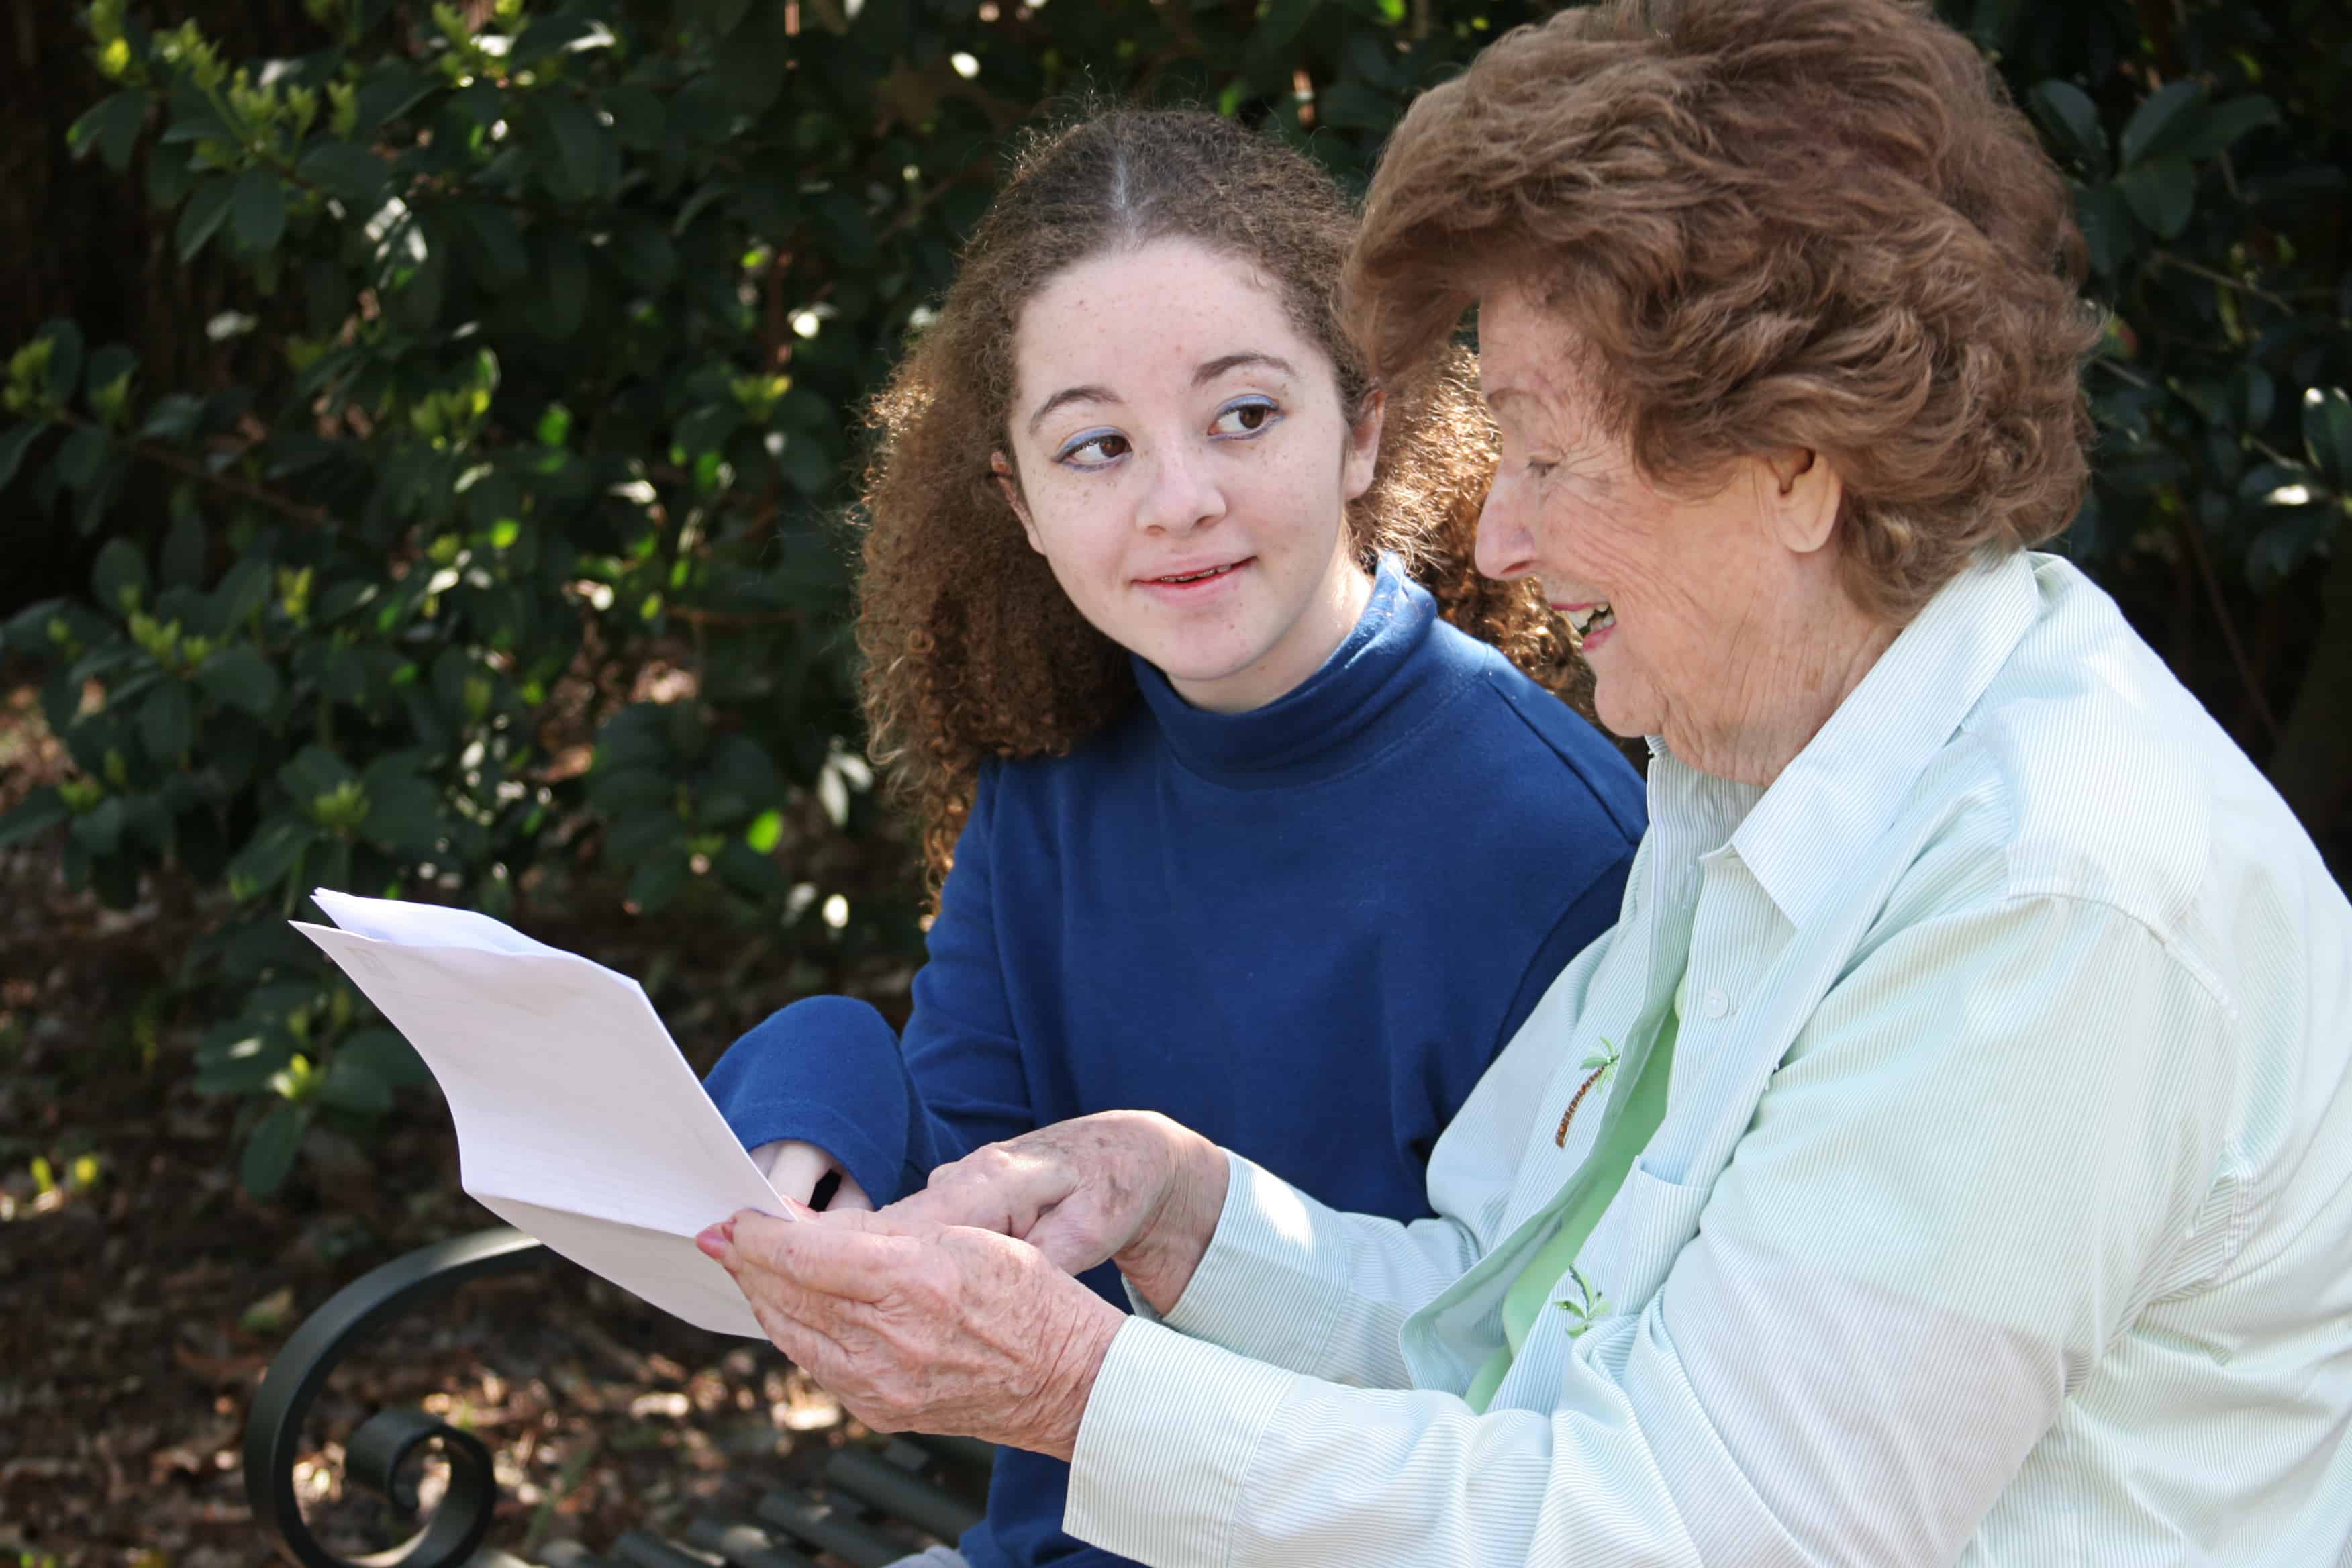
1529, 359
1161, 307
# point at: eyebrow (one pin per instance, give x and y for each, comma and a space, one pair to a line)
1215, 368
1210, 370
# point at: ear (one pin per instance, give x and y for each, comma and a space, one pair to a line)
1802, 495
1363, 455
999, 467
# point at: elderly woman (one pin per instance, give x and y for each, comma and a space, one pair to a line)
1949, 1154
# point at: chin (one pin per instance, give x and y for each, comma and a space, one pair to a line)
1625, 720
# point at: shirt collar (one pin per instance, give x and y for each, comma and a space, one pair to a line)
1304, 731
1836, 796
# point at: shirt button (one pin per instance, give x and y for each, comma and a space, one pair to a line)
1716, 1004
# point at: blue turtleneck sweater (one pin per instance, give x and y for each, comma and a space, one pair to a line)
1303, 931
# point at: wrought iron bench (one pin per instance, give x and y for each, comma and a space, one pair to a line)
870, 1506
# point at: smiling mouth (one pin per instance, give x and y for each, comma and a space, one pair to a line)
1583, 622
1202, 575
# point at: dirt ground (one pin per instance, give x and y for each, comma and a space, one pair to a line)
144, 1292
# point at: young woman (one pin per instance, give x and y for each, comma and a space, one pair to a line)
1230, 821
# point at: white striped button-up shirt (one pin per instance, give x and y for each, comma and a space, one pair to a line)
2001, 1212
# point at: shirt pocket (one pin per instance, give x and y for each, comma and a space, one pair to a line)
1634, 1245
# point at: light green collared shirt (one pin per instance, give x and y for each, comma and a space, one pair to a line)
1551, 1277
2001, 1212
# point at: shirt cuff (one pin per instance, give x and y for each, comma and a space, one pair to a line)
1272, 1282
1160, 1472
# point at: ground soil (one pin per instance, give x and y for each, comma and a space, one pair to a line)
145, 1292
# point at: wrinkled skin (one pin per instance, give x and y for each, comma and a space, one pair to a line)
955, 1309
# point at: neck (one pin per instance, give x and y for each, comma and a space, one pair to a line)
1322, 625
1778, 698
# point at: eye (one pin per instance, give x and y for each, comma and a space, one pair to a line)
1245, 416
1106, 447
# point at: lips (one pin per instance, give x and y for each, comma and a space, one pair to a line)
1587, 620
1192, 574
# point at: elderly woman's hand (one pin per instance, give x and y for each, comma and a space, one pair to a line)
1129, 1186
916, 1326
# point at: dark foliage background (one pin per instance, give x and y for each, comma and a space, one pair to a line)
420, 459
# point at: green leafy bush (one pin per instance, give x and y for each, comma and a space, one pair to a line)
555, 320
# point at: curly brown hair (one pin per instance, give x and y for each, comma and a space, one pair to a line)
1772, 224
971, 650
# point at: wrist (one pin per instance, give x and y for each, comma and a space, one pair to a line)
1163, 1257
1072, 1382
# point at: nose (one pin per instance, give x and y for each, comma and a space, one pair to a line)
1184, 494
1506, 547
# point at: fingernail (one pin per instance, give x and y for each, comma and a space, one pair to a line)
715, 1239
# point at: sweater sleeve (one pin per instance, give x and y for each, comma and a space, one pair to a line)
830, 1071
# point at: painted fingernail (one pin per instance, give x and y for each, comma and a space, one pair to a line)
714, 1239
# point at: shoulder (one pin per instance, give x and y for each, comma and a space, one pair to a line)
2088, 773
1014, 791
1531, 742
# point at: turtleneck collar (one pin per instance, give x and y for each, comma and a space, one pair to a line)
1307, 732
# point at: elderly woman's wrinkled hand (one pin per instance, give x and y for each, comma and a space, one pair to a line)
923, 1327
1130, 1186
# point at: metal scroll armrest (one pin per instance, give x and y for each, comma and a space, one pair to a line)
273, 1430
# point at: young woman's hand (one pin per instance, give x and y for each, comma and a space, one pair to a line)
794, 1169
1132, 1186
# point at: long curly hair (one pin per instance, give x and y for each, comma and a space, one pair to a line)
971, 649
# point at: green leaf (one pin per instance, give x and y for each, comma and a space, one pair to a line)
119, 570
270, 1149
390, 90
167, 722
100, 829
2071, 122
107, 366
241, 1057
112, 127
555, 35
65, 357
347, 172
577, 171
387, 1056
2109, 231
208, 208
639, 121
32, 817
268, 856
2162, 193
81, 458
351, 1085
494, 240
257, 211
182, 561
403, 813
15, 443
749, 72
174, 417
722, 16
244, 589
2171, 114
239, 676
563, 285
315, 771
2327, 434
2220, 130
641, 248
1354, 106
657, 882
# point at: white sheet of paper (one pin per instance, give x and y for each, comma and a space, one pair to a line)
578, 1120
